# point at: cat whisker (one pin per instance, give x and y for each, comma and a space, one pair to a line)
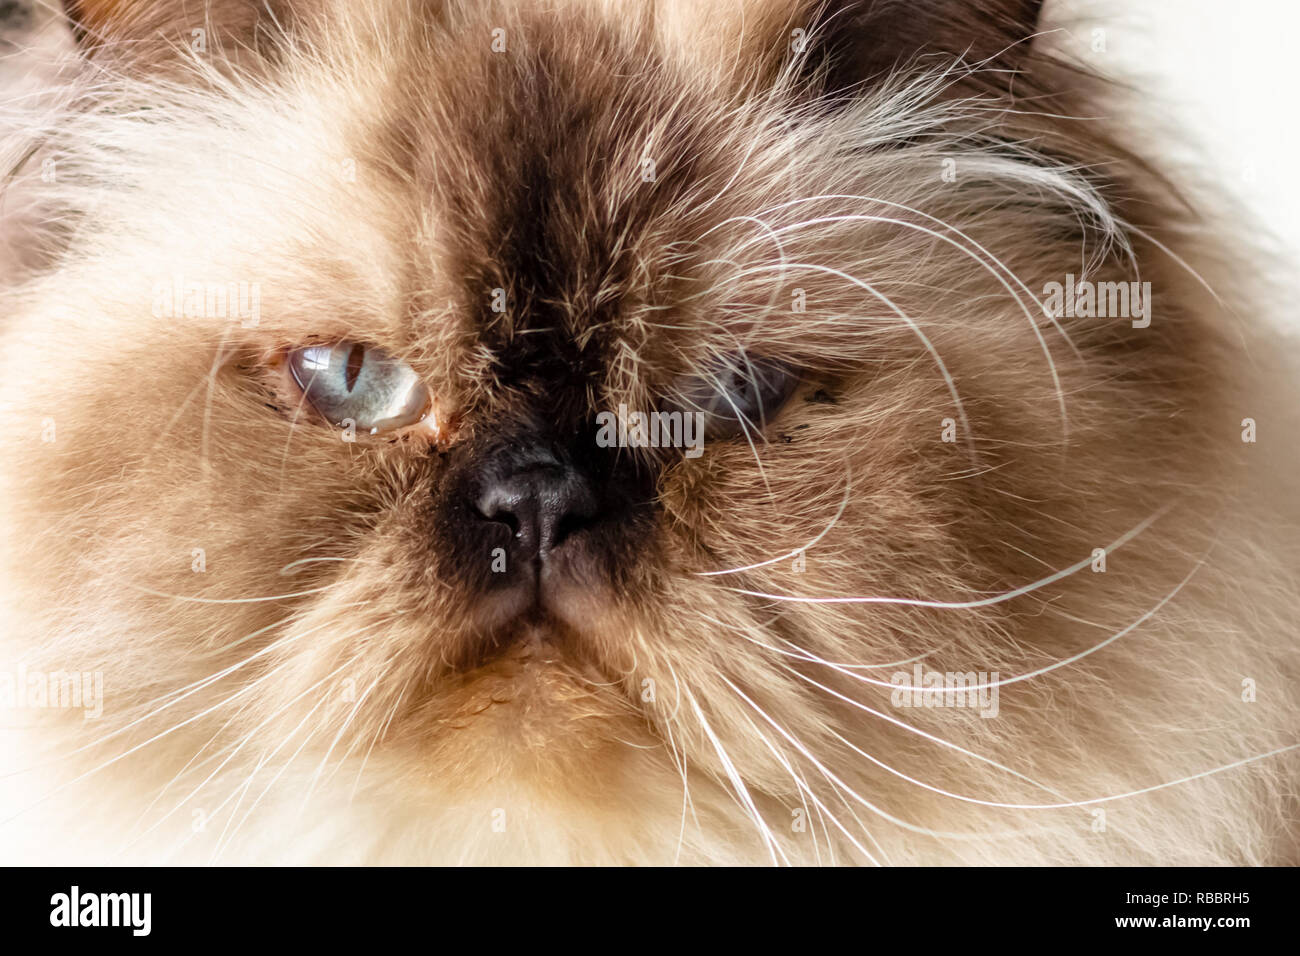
1213, 771
921, 733
378, 735
293, 425
974, 603
1029, 831
800, 654
847, 670
1033, 323
185, 692
347, 722
679, 761
830, 776
211, 380
1071, 804
771, 234
243, 743
742, 794
137, 747
911, 324
293, 566
225, 841
203, 600
714, 379
194, 762
848, 490
241, 790
804, 789
970, 243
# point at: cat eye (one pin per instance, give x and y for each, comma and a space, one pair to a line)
738, 393
351, 381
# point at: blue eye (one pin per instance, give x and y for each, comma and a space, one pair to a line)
738, 393
351, 381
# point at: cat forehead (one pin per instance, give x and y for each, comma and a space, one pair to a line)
528, 215
556, 192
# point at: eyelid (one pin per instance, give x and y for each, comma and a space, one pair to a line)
738, 392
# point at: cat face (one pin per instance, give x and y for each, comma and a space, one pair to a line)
395, 489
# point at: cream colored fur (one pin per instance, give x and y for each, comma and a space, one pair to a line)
1135, 706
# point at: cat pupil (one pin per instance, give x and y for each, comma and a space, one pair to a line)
356, 358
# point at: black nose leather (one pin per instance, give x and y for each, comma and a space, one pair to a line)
542, 502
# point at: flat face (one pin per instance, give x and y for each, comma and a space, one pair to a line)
539, 406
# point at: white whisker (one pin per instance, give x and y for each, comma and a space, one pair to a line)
974, 603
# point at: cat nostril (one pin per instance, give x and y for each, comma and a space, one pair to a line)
542, 506
506, 518
567, 525
500, 503
494, 505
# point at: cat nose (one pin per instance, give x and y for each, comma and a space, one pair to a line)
542, 503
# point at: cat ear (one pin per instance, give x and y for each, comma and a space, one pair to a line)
852, 43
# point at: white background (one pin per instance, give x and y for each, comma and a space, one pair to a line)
1227, 73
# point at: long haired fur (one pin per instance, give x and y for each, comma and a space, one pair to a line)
294, 657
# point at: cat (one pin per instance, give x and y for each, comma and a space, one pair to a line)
314, 552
